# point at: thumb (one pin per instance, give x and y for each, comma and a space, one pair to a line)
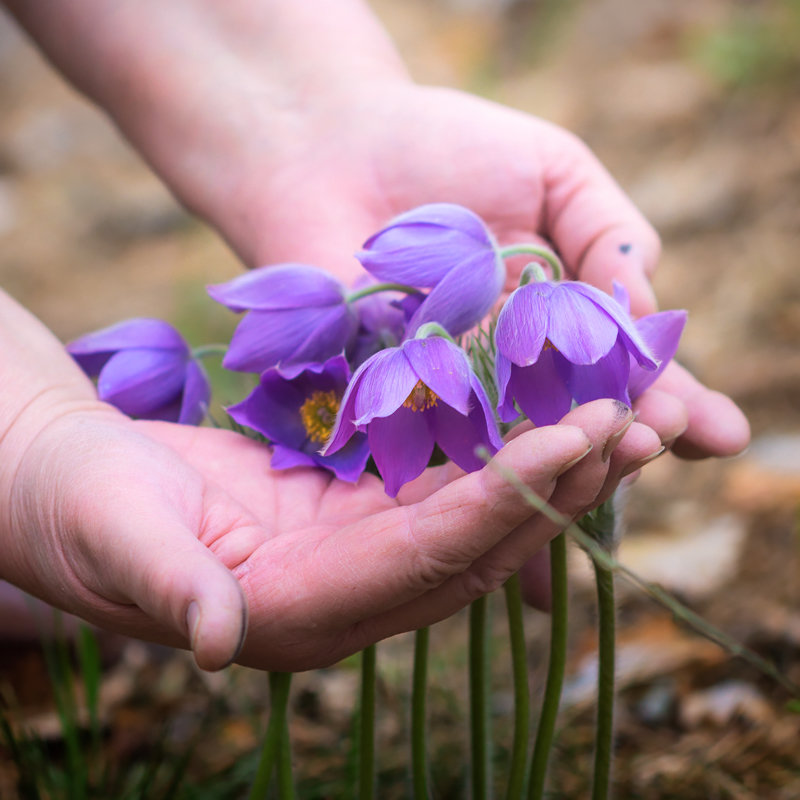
153, 560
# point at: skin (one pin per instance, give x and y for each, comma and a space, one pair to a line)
295, 130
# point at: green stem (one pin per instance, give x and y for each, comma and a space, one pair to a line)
604, 734
522, 705
419, 755
284, 767
479, 697
555, 669
545, 253
381, 287
279, 683
206, 350
366, 720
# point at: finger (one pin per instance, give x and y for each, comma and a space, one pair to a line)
145, 555
534, 577
600, 234
664, 413
716, 426
604, 423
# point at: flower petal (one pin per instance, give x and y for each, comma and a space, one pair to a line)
578, 329
662, 332
288, 458
464, 296
443, 367
273, 409
196, 395
460, 435
266, 338
421, 246
401, 446
505, 398
348, 463
633, 340
608, 377
540, 390
283, 286
523, 323
384, 386
138, 381
139, 333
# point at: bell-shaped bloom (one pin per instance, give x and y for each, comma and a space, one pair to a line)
408, 399
145, 369
447, 248
297, 416
564, 342
297, 316
661, 332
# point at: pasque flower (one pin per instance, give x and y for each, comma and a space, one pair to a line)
446, 247
145, 368
297, 316
411, 397
559, 342
297, 416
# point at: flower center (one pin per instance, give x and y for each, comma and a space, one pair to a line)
421, 398
548, 345
318, 415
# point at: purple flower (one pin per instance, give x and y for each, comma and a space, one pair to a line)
145, 369
411, 397
661, 332
446, 247
382, 321
297, 416
297, 316
559, 342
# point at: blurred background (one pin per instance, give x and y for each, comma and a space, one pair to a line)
695, 109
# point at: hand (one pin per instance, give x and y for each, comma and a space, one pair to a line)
297, 133
396, 145
172, 533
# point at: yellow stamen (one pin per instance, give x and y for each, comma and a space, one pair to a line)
318, 414
421, 398
548, 345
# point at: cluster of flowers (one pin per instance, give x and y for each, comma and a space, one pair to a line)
376, 370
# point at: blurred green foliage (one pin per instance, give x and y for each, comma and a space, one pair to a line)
759, 46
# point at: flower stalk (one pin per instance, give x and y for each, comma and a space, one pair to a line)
279, 684
419, 688
545, 253
366, 722
604, 726
519, 666
381, 287
555, 670
479, 690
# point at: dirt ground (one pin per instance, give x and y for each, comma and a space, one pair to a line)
695, 109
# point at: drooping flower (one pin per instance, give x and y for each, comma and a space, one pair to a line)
297, 316
145, 368
661, 333
448, 248
297, 416
559, 342
411, 397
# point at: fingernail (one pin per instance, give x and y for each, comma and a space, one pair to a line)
570, 464
192, 622
615, 438
632, 467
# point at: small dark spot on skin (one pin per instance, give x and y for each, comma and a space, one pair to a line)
625, 249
